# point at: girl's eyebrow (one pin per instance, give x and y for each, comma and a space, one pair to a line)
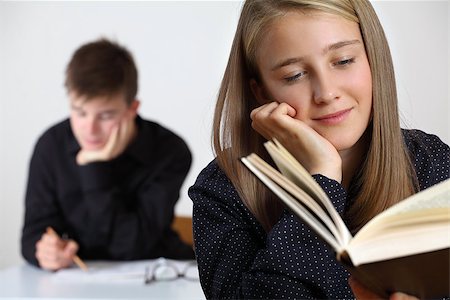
327, 49
287, 62
340, 44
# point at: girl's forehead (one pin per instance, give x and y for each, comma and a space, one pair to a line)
305, 33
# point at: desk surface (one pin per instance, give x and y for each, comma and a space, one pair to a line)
26, 281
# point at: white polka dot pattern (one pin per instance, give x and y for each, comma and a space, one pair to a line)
237, 259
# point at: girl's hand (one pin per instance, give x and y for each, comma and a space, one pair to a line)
314, 152
361, 292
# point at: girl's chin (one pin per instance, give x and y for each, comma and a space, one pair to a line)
350, 144
343, 144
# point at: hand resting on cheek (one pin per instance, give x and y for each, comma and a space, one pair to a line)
314, 152
120, 137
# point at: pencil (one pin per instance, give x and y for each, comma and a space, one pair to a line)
77, 260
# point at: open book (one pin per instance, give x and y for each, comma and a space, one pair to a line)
406, 248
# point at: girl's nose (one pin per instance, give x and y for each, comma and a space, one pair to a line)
324, 88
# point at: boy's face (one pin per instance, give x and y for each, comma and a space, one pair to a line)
93, 120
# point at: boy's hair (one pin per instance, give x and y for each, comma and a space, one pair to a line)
102, 68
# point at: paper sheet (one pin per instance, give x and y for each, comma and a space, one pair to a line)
107, 271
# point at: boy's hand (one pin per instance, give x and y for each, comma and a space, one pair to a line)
120, 137
54, 253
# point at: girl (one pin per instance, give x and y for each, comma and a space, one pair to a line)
317, 76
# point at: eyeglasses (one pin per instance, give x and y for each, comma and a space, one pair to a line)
164, 270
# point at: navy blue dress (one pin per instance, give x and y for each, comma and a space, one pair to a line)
238, 259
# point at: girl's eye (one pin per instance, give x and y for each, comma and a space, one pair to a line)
295, 77
344, 62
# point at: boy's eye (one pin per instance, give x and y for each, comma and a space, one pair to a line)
79, 113
106, 116
295, 77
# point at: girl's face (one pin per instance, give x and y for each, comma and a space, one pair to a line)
316, 63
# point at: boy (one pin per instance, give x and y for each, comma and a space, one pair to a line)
105, 179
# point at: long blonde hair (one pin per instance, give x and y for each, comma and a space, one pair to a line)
387, 174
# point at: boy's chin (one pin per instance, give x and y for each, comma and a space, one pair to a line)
92, 147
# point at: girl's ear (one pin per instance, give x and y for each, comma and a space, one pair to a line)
259, 92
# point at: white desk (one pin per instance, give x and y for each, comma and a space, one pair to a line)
26, 281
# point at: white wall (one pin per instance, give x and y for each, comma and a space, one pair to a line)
419, 37
181, 49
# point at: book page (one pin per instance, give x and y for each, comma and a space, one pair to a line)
391, 243
437, 196
300, 196
269, 171
294, 171
295, 206
434, 198
418, 224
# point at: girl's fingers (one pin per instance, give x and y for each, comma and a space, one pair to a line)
273, 119
264, 110
402, 296
284, 109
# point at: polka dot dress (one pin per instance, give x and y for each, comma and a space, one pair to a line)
237, 259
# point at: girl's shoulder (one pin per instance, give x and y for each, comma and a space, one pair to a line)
418, 141
214, 193
213, 180
429, 155
213, 185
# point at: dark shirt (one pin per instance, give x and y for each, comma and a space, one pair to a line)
116, 210
237, 259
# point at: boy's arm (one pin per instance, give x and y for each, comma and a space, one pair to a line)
41, 209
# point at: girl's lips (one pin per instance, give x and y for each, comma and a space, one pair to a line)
334, 118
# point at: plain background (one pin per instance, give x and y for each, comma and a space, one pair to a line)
181, 49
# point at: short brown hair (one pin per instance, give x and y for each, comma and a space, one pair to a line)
102, 68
